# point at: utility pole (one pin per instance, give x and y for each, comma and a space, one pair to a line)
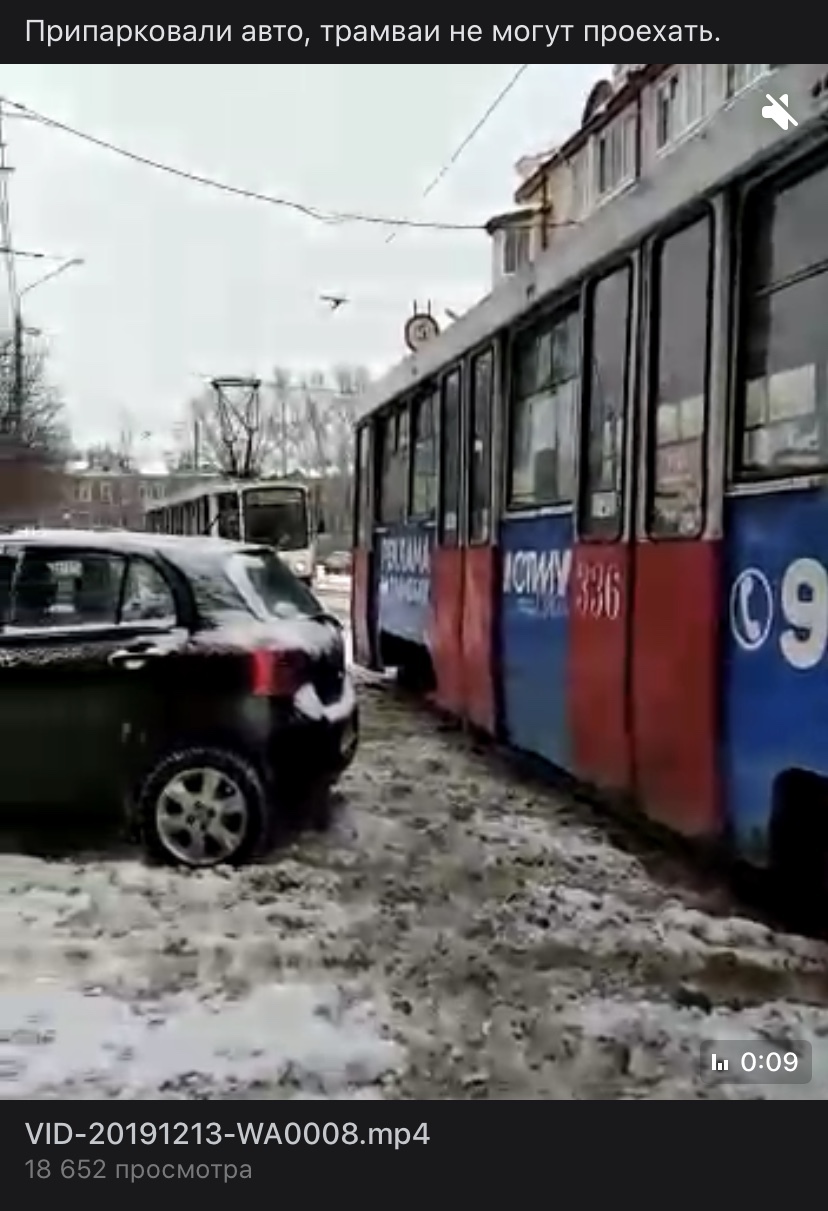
284, 441
18, 377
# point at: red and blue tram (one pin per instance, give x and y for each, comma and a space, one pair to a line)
592, 517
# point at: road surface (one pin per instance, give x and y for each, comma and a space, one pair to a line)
457, 933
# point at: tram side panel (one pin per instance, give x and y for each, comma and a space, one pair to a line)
481, 588
362, 596
597, 676
533, 634
403, 592
675, 647
446, 628
776, 654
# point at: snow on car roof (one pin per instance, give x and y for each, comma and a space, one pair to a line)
175, 547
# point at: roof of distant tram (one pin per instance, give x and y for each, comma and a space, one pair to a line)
219, 486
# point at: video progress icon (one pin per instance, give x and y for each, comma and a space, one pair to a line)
717, 1065
778, 113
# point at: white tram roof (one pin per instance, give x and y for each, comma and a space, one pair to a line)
735, 139
210, 487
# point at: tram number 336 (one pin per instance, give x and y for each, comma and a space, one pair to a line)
597, 591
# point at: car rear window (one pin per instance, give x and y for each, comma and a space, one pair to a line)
272, 585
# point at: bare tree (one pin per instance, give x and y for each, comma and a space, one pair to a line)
34, 435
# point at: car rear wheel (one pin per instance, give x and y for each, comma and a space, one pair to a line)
201, 807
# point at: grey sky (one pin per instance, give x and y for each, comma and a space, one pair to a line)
181, 281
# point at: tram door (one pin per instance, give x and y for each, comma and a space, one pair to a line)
601, 597
464, 560
363, 571
447, 588
676, 589
480, 555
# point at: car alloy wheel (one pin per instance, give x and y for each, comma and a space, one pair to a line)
202, 808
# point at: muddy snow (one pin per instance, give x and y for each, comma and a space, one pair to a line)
456, 933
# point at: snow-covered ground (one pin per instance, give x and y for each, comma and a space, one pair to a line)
457, 933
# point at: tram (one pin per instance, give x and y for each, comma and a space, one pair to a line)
278, 514
591, 518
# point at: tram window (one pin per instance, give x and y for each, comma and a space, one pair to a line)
424, 469
363, 526
203, 515
544, 414
395, 470
783, 375
388, 449
450, 431
229, 525
681, 297
605, 405
480, 440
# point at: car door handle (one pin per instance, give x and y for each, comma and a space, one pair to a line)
132, 660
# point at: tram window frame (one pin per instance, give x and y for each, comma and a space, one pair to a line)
479, 499
593, 528
451, 489
396, 466
386, 450
429, 396
229, 512
657, 525
362, 497
545, 383
757, 249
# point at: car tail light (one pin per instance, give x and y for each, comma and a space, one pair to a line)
277, 674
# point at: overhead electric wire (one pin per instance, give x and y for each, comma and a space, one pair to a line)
316, 213
473, 133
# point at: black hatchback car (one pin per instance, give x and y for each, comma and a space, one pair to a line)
195, 680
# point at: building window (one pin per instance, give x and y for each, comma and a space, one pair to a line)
544, 414
580, 183
605, 404
84, 491
105, 491
783, 375
668, 116
424, 468
615, 155
679, 383
740, 75
516, 248
695, 100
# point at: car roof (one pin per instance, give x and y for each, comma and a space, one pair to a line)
177, 548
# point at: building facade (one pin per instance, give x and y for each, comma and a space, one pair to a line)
93, 498
630, 124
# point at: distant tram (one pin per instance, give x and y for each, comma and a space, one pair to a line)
279, 515
592, 517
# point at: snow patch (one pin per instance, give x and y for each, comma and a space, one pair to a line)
60, 1043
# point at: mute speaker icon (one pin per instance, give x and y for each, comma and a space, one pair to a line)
777, 112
